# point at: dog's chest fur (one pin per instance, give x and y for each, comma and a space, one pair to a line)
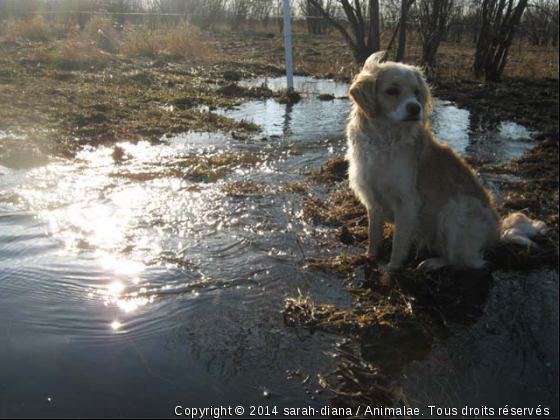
383, 167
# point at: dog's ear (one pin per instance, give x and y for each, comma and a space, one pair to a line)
373, 61
425, 92
362, 93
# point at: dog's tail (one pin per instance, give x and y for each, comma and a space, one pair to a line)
519, 229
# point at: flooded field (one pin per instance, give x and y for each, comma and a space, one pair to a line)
139, 277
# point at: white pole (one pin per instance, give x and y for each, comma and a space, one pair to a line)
288, 46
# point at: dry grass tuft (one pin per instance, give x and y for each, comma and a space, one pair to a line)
99, 42
242, 189
35, 29
100, 31
77, 52
141, 42
181, 41
91, 48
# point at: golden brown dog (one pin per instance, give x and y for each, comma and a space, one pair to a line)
402, 174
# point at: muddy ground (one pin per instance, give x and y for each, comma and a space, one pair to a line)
60, 107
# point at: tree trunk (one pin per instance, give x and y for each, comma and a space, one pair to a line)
373, 37
405, 7
496, 36
433, 21
363, 38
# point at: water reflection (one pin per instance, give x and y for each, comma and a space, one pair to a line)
480, 135
471, 134
308, 85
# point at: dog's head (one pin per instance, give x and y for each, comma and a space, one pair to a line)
394, 91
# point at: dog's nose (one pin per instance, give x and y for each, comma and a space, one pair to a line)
413, 109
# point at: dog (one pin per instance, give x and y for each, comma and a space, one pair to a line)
403, 174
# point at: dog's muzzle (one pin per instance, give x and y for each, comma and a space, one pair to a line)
413, 111
408, 111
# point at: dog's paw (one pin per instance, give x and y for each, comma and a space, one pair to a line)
432, 264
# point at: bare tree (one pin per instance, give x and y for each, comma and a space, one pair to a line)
541, 20
499, 21
433, 19
456, 27
203, 13
261, 11
405, 8
316, 23
239, 10
364, 39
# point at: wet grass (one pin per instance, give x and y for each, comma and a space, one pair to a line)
85, 88
242, 189
60, 111
395, 318
392, 320
195, 168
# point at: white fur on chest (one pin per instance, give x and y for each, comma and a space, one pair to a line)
382, 170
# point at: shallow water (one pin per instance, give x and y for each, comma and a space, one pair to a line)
143, 285
471, 135
132, 282
508, 358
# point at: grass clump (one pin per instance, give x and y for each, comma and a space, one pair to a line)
141, 42
99, 43
101, 33
77, 52
242, 189
180, 41
34, 29
94, 47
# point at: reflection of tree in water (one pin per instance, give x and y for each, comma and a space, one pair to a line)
483, 124
493, 138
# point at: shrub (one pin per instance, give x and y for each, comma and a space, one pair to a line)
142, 42
100, 30
77, 51
184, 42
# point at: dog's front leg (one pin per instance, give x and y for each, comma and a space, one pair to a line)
376, 220
405, 222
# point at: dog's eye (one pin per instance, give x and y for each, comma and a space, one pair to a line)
392, 91
417, 92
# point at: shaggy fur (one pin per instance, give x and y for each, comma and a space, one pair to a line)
402, 174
